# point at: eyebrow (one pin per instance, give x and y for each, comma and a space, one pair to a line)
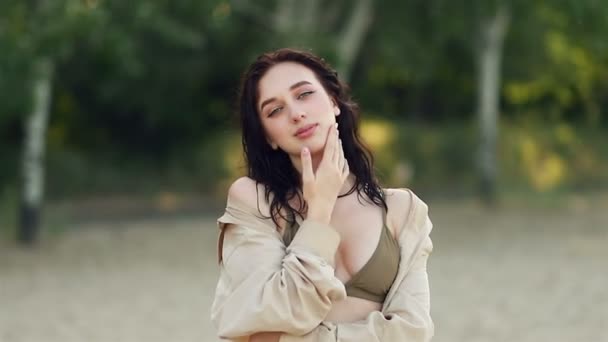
294, 86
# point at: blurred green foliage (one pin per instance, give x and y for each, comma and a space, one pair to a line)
535, 156
144, 91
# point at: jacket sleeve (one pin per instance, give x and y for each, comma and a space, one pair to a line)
265, 286
406, 317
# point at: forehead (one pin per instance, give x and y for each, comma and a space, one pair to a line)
280, 77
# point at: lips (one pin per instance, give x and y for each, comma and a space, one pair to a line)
303, 131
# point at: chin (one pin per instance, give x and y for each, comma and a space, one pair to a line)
316, 145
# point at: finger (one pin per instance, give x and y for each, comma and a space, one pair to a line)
340, 155
345, 170
336, 152
307, 173
330, 144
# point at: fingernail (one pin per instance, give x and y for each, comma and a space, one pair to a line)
305, 150
336, 125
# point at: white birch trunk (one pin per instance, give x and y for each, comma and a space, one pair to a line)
489, 58
350, 41
295, 22
33, 150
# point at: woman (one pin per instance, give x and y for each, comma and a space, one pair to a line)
311, 248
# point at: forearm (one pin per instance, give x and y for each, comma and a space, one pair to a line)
277, 290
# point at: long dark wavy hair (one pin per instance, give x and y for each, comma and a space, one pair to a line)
273, 168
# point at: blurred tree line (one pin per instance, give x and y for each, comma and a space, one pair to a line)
106, 96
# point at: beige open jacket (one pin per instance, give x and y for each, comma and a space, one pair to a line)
267, 286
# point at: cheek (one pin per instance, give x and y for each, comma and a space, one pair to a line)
322, 103
323, 109
275, 130
317, 143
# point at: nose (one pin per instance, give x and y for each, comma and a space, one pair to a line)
298, 114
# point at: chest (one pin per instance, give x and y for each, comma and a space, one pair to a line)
360, 227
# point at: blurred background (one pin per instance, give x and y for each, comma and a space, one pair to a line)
119, 139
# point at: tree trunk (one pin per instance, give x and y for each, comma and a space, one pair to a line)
296, 23
352, 37
309, 16
489, 58
285, 17
33, 152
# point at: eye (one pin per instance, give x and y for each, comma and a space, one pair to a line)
305, 94
274, 111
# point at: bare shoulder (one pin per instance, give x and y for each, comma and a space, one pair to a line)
401, 198
403, 204
399, 194
244, 190
250, 196
404, 197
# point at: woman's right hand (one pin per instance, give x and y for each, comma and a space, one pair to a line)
321, 188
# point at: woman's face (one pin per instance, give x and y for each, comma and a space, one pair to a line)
294, 108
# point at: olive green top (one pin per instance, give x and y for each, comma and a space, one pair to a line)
376, 277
